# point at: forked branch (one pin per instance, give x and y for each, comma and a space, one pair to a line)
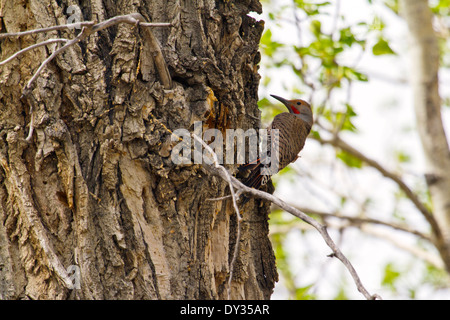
222, 172
438, 236
88, 28
235, 206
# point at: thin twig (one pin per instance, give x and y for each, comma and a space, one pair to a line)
357, 221
337, 142
155, 24
320, 228
79, 25
427, 256
84, 33
367, 228
42, 30
336, 252
30, 132
34, 46
88, 28
219, 198
155, 50
227, 177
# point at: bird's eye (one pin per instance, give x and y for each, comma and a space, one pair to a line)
298, 103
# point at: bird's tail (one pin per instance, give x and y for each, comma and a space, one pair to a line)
255, 179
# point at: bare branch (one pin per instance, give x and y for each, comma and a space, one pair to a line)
34, 46
42, 30
425, 72
438, 236
155, 24
88, 28
156, 52
358, 221
27, 88
30, 132
424, 255
227, 177
78, 25
367, 227
84, 33
337, 142
336, 252
220, 198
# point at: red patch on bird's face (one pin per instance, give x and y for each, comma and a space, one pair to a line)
295, 110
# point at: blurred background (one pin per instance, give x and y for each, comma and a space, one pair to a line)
351, 60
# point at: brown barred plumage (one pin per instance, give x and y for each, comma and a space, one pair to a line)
293, 129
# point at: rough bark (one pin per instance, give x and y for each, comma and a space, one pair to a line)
96, 186
427, 103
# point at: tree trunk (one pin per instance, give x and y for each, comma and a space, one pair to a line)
427, 103
94, 196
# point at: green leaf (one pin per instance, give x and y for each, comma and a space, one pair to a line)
350, 111
349, 160
382, 47
311, 8
264, 102
393, 5
268, 45
442, 7
315, 134
302, 293
341, 295
352, 74
377, 24
402, 157
266, 81
347, 37
446, 101
435, 276
343, 120
316, 26
391, 275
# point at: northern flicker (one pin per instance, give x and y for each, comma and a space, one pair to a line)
293, 128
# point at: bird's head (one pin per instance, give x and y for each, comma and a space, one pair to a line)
298, 107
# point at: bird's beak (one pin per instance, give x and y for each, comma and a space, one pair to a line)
285, 102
